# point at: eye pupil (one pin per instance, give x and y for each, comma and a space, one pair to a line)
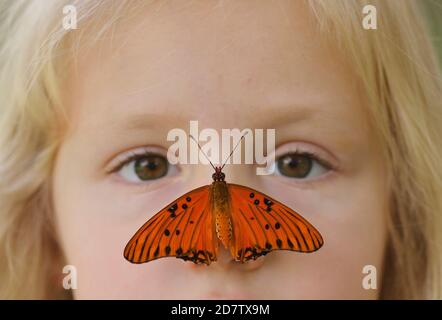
295, 165
151, 167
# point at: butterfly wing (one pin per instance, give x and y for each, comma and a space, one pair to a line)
262, 224
182, 229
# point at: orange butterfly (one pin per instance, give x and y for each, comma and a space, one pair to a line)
248, 223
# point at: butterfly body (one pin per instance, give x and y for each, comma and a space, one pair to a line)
219, 194
247, 222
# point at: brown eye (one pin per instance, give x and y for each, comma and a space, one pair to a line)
295, 165
150, 167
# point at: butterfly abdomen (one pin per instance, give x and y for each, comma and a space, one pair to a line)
221, 212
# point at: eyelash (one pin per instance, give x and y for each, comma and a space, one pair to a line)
133, 156
326, 164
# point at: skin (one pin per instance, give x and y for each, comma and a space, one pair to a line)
237, 65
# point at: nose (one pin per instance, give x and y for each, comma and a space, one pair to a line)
225, 262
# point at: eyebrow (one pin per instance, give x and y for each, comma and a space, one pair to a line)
157, 124
146, 120
284, 115
280, 116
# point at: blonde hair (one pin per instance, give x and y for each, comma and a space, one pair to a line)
397, 67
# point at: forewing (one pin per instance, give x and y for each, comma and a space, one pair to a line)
182, 229
261, 224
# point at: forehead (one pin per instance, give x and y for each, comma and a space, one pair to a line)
226, 64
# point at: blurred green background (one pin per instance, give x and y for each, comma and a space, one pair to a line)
433, 9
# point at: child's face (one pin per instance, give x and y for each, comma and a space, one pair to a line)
236, 65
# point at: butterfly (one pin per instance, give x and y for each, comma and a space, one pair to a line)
248, 223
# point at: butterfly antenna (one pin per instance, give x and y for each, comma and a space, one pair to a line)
203, 152
225, 162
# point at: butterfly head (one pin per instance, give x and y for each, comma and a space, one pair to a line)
218, 175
